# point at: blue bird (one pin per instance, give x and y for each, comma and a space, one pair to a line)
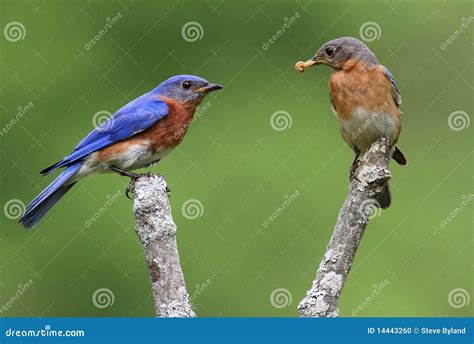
138, 135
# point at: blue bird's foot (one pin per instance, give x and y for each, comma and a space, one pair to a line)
135, 176
129, 189
124, 173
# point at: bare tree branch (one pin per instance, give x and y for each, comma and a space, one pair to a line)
368, 182
157, 232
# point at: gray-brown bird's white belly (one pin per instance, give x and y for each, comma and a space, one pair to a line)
364, 127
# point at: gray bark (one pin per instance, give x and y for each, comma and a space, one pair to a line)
367, 183
157, 232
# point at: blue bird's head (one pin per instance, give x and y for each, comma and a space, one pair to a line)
186, 88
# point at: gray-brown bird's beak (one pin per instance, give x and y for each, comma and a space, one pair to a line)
209, 88
301, 66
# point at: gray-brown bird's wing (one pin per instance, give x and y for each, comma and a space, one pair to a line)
395, 90
397, 154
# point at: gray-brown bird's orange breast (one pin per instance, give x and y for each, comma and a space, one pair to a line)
364, 105
360, 86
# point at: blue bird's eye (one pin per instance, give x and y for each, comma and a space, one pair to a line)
186, 84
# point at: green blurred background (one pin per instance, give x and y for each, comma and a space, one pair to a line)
233, 164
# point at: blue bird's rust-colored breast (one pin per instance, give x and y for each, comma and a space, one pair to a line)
164, 135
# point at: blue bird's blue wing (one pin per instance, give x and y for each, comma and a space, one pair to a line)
395, 90
133, 118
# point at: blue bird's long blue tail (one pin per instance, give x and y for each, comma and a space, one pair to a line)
49, 197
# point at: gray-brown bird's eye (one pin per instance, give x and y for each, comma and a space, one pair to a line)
329, 51
186, 84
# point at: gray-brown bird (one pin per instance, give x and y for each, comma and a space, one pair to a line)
365, 97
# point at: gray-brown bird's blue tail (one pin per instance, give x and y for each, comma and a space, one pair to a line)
385, 198
49, 197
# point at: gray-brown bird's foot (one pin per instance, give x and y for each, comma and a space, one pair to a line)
354, 167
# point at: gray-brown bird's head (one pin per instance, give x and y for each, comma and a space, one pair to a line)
337, 52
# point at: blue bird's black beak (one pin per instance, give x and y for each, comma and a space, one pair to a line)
209, 88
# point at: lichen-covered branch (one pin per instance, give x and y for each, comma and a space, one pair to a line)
367, 183
157, 232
